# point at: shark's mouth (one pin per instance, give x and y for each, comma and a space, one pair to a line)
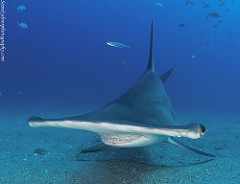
112, 139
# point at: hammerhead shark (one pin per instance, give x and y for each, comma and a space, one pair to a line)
142, 116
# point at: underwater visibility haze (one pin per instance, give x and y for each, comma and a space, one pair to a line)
68, 58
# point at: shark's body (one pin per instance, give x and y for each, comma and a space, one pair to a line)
142, 116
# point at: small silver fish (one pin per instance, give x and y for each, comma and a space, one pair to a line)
159, 4
117, 44
21, 8
22, 25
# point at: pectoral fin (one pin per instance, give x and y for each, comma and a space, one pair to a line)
167, 74
176, 143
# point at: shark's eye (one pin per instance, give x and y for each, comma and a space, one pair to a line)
203, 129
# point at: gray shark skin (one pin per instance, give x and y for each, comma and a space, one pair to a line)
143, 116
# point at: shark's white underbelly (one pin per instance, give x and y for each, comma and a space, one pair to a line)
131, 140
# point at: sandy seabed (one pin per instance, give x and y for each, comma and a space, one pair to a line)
52, 155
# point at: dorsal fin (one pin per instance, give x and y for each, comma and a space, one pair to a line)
150, 61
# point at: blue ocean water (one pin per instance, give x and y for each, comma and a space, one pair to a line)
60, 65
62, 57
